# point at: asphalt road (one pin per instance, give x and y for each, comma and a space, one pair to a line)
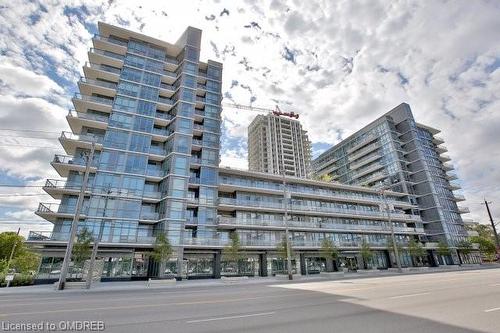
467, 301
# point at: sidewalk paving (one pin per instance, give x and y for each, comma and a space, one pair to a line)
142, 285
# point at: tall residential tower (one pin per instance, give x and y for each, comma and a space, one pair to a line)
277, 143
395, 152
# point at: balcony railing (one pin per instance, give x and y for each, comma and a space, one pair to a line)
334, 210
94, 99
82, 137
157, 150
66, 159
195, 160
88, 116
194, 180
149, 216
105, 68
363, 151
171, 61
48, 236
197, 142
165, 116
167, 86
164, 100
100, 83
107, 54
111, 40
198, 127
154, 172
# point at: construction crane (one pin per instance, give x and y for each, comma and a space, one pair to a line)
276, 111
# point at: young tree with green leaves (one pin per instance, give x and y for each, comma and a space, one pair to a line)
162, 251
281, 250
417, 252
366, 253
233, 251
82, 248
443, 249
329, 251
23, 259
486, 246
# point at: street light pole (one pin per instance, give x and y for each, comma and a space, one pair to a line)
90, 273
497, 240
287, 235
76, 218
393, 237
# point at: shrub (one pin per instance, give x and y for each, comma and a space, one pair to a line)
19, 280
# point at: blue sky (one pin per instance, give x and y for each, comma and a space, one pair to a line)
340, 64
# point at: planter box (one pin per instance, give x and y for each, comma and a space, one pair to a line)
160, 282
332, 274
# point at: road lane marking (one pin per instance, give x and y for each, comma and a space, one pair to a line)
495, 285
491, 310
230, 317
408, 295
138, 306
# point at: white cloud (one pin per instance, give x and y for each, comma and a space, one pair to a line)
353, 60
21, 81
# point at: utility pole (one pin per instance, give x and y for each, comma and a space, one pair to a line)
12, 254
90, 273
287, 235
76, 218
497, 241
393, 237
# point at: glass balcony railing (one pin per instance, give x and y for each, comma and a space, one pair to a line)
200, 99
198, 127
82, 137
47, 236
194, 180
164, 100
195, 160
157, 150
165, 116
107, 54
167, 86
66, 159
104, 68
88, 116
172, 61
197, 142
154, 172
100, 83
149, 216
94, 99
325, 209
111, 40
161, 131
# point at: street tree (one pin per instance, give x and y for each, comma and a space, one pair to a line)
82, 249
329, 251
366, 253
23, 259
417, 251
281, 250
233, 252
443, 249
162, 251
486, 246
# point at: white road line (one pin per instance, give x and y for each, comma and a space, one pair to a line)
230, 317
495, 285
408, 295
491, 310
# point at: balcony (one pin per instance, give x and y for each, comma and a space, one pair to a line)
63, 164
233, 204
436, 139
157, 150
194, 180
199, 115
52, 211
164, 104
103, 57
91, 86
455, 186
463, 210
195, 160
197, 142
150, 216
363, 152
441, 149
83, 103
163, 119
451, 175
44, 237
166, 90
373, 178
99, 71
161, 134
77, 120
168, 77
444, 158
458, 197
448, 167
366, 140
367, 170
56, 188
71, 142
110, 44
154, 173
197, 128
171, 63
359, 163
200, 101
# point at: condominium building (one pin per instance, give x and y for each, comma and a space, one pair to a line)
278, 144
397, 153
152, 110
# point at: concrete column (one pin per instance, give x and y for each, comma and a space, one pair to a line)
303, 268
263, 264
217, 267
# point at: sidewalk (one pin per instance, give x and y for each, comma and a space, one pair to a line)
141, 285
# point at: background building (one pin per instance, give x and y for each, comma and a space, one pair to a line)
276, 143
394, 152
